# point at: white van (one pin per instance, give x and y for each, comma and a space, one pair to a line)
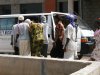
87, 38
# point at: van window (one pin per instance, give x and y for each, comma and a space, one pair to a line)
31, 8
5, 9
82, 24
7, 23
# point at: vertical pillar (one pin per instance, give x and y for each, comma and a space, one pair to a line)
70, 6
80, 8
15, 9
49, 5
15, 6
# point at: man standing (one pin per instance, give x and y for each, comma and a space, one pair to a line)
13, 37
23, 37
69, 42
45, 34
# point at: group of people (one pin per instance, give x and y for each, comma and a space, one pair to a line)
30, 38
65, 42
65, 45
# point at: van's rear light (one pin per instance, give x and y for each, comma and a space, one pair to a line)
83, 40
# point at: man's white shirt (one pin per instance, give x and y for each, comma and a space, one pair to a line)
23, 31
69, 33
45, 33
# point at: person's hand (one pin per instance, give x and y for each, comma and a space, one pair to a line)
65, 49
54, 44
61, 37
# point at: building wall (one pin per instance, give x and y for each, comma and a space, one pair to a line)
15, 4
62, 6
90, 8
3, 2
49, 5
90, 11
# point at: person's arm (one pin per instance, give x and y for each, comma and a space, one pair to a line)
11, 40
67, 41
61, 30
16, 38
46, 32
67, 35
62, 35
11, 43
17, 35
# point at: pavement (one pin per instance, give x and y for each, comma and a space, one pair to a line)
6, 47
84, 57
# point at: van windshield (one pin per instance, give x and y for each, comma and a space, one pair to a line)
83, 25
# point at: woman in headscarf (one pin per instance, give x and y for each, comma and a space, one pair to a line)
36, 32
57, 51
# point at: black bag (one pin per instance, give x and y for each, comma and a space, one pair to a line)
53, 52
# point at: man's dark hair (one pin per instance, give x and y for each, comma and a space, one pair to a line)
57, 18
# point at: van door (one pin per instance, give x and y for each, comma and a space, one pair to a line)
5, 35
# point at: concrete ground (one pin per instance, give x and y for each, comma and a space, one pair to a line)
86, 58
6, 47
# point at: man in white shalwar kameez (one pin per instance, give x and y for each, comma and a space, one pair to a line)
23, 37
69, 42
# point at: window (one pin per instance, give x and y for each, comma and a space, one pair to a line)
5, 9
7, 23
76, 7
31, 8
62, 6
